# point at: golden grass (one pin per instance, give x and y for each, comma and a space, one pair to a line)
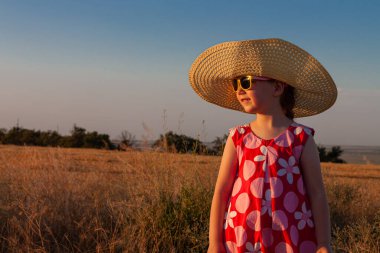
86, 200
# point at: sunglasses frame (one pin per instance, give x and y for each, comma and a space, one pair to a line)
237, 82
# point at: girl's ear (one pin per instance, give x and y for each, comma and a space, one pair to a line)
279, 87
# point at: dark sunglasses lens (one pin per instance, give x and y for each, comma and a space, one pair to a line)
245, 83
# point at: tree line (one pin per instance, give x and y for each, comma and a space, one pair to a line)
78, 138
169, 142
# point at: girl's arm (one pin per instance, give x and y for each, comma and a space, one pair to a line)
311, 169
222, 190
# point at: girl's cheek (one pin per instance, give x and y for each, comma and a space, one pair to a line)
260, 97
256, 99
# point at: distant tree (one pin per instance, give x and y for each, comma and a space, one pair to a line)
95, 140
218, 145
3, 132
28, 137
13, 136
65, 141
334, 155
77, 136
81, 138
127, 139
50, 138
322, 153
331, 156
172, 142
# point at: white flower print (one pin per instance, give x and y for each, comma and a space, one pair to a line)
267, 151
301, 128
241, 130
253, 249
298, 130
288, 168
262, 157
232, 131
304, 217
266, 204
307, 130
229, 216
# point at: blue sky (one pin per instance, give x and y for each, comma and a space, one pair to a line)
123, 65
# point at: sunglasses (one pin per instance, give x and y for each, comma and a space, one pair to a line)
246, 82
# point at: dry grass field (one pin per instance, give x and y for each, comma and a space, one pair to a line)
85, 200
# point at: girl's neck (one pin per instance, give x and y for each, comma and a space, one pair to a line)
267, 121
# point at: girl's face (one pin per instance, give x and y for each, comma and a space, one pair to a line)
259, 98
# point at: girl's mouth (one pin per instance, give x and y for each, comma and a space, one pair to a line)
245, 100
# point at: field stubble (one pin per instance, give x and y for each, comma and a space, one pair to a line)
84, 200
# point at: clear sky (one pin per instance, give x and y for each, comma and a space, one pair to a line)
114, 65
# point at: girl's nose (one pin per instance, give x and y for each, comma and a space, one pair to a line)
240, 91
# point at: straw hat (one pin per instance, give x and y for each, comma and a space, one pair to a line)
212, 72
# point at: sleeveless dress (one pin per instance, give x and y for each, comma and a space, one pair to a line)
269, 209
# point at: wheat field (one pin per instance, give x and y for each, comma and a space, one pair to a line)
87, 200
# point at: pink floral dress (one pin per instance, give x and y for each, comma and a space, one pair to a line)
269, 209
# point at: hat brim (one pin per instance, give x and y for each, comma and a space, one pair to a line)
212, 72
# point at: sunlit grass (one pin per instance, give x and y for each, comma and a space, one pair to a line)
84, 200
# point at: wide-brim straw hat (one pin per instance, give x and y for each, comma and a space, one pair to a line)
212, 72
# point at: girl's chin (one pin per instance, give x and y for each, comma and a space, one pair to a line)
250, 110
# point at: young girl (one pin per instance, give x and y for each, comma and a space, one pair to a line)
269, 195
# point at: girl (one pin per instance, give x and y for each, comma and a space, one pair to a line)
269, 195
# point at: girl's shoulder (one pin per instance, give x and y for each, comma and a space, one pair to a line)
237, 132
301, 134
